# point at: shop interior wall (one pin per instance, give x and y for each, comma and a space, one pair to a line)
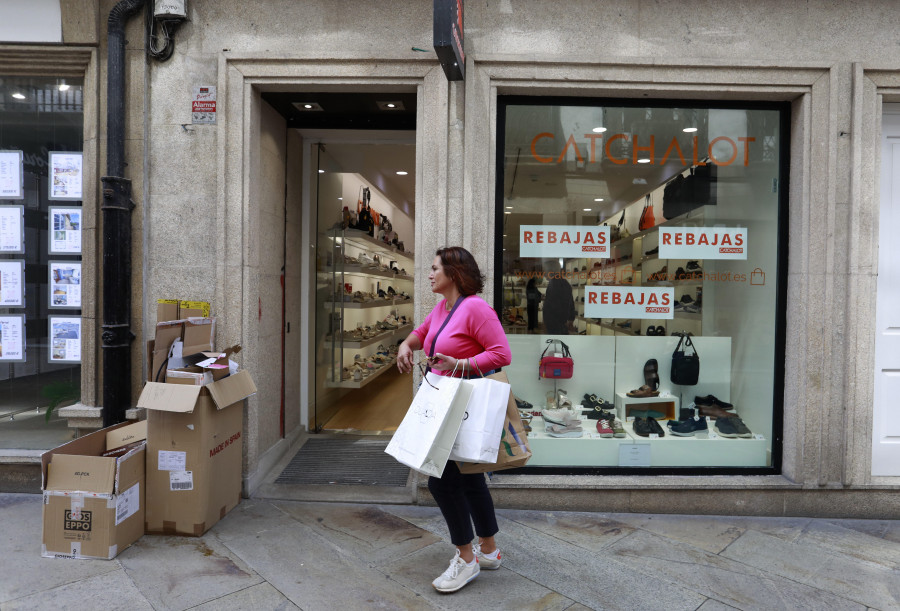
292, 276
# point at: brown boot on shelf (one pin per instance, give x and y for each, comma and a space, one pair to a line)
714, 412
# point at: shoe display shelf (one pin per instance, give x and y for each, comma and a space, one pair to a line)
626, 406
382, 338
589, 450
350, 244
704, 448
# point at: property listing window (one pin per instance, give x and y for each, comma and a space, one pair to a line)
41, 220
639, 280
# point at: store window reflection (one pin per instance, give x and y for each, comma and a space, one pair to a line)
41, 220
647, 239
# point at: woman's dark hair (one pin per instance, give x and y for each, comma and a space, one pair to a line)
460, 266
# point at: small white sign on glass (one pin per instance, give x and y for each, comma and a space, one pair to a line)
564, 241
12, 283
65, 230
12, 230
65, 284
12, 181
12, 338
66, 175
703, 243
65, 339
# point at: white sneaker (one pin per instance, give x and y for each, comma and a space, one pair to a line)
488, 564
564, 417
457, 575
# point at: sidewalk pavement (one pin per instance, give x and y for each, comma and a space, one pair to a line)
269, 554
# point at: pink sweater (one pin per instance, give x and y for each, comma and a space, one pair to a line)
473, 331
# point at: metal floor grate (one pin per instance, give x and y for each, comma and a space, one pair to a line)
344, 461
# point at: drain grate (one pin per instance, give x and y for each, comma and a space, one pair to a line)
344, 461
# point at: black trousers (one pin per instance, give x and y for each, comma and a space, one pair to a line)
464, 498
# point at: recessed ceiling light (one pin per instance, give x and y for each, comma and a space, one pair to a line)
308, 106
587, 209
507, 212
504, 235
598, 199
401, 173
341, 198
644, 160
18, 96
509, 207
321, 171
63, 86
390, 105
598, 130
689, 130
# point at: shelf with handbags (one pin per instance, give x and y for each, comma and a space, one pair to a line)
370, 306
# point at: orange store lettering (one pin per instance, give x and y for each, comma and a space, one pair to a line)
738, 153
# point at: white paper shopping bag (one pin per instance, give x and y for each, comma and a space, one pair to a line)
425, 436
478, 439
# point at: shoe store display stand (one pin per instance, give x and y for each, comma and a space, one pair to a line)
363, 278
665, 404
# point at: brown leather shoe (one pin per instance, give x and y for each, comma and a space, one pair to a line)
714, 412
643, 391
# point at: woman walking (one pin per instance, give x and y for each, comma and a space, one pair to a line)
462, 333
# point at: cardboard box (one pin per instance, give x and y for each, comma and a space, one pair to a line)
194, 453
192, 309
93, 506
166, 309
195, 335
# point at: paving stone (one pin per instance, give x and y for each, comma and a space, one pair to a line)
709, 533
889, 530
110, 591
590, 578
500, 589
714, 605
727, 581
851, 542
316, 573
25, 572
262, 597
370, 532
177, 573
250, 517
864, 582
588, 530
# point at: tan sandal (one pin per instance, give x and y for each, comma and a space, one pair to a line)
643, 391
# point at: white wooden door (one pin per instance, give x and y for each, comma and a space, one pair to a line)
886, 421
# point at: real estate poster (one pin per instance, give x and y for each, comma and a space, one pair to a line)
12, 338
65, 339
66, 175
65, 284
12, 229
65, 230
11, 176
12, 284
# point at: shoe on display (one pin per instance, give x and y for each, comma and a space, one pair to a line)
712, 400
562, 399
604, 428
641, 427
558, 430
653, 252
651, 374
600, 415
485, 561
643, 391
654, 427
524, 406
688, 427
562, 417
732, 427
457, 575
618, 429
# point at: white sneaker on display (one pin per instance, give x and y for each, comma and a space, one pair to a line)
457, 575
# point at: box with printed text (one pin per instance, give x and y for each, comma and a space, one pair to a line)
94, 499
194, 452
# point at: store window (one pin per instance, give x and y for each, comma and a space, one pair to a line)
641, 252
41, 192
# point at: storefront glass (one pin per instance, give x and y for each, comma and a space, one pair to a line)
41, 192
649, 240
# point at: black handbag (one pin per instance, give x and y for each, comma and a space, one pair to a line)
685, 367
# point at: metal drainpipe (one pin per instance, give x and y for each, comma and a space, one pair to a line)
117, 206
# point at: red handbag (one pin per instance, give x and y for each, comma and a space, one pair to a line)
556, 366
647, 219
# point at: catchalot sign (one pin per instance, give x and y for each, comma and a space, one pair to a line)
627, 302
564, 241
702, 243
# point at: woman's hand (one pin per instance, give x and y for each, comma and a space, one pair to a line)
404, 358
442, 362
